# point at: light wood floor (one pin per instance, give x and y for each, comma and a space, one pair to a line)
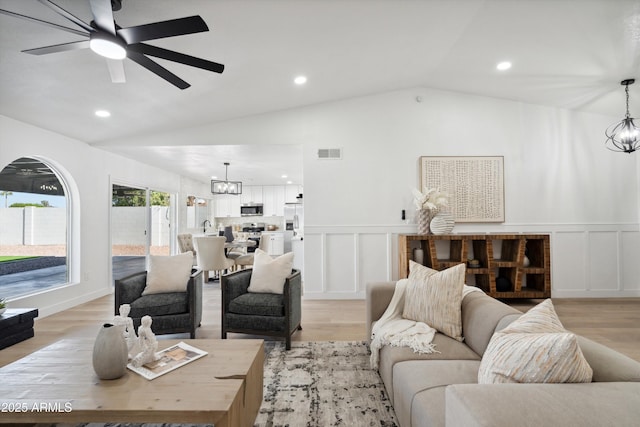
612, 322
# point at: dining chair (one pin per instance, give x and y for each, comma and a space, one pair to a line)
245, 260
211, 256
185, 243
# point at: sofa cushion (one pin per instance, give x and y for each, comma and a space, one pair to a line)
448, 349
435, 298
482, 315
168, 273
535, 405
608, 365
269, 274
258, 304
419, 388
159, 304
534, 348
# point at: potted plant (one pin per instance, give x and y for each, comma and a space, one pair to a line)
3, 305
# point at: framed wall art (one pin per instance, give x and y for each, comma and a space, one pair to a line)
475, 185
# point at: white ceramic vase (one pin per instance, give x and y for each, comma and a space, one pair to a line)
110, 353
442, 223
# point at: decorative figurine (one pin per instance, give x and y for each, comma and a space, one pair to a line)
128, 331
147, 342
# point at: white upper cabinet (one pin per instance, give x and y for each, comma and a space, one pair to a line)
251, 194
273, 197
227, 205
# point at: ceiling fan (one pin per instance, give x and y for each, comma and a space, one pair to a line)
115, 43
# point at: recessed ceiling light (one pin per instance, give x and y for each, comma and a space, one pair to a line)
214, 177
283, 176
102, 113
300, 80
505, 65
289, 182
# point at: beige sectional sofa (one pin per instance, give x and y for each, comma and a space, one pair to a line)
440, 389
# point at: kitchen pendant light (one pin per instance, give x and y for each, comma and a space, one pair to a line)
625, 135
226, 186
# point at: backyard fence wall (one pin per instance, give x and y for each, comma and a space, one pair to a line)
47, 226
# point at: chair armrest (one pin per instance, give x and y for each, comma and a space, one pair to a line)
233, 285
194, 295
292, 292
379, 296
129, 289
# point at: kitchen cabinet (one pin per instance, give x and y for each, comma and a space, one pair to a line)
273, 197
273, 242
291, 192
251, 194
227, 205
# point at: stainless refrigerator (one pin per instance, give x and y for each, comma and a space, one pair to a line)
294, 223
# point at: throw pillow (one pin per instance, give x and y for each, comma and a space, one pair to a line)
168, 273
435, 298
541, 318
269, 274
534, 348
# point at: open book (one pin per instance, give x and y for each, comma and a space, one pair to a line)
169, 359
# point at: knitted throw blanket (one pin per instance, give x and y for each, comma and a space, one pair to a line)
394, 330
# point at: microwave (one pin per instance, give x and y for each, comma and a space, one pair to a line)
251, 209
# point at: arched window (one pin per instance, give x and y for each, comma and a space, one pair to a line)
34, 218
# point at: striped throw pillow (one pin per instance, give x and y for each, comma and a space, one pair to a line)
435, 298
534, 349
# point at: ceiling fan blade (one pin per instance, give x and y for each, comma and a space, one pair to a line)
103, 15
159, 30
157, 69
56, 48
48, 24
116, 70
181, 58
60, 11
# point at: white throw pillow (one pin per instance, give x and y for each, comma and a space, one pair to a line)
534, 348
168, 273
269, 274
435, 298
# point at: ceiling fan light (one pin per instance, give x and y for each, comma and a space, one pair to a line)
108, 46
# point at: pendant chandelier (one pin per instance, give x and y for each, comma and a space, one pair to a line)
625, 135
226, 186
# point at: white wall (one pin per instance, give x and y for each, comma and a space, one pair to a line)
91, 170
559, 179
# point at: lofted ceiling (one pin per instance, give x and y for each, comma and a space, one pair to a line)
565, 53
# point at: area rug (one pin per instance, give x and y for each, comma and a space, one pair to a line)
322, 384
315, 384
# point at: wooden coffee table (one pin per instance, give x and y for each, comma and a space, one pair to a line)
57, 384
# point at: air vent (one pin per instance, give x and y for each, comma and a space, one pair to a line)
329, 153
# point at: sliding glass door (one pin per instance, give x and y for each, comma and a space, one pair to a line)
141, 221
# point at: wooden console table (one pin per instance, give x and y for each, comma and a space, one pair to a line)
500, 255
57, 384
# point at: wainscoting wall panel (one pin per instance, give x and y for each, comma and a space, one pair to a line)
603, 268
587, 260
630, 260
341, 265
375, 264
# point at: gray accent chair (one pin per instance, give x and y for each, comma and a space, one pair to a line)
261, 313
172, 312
